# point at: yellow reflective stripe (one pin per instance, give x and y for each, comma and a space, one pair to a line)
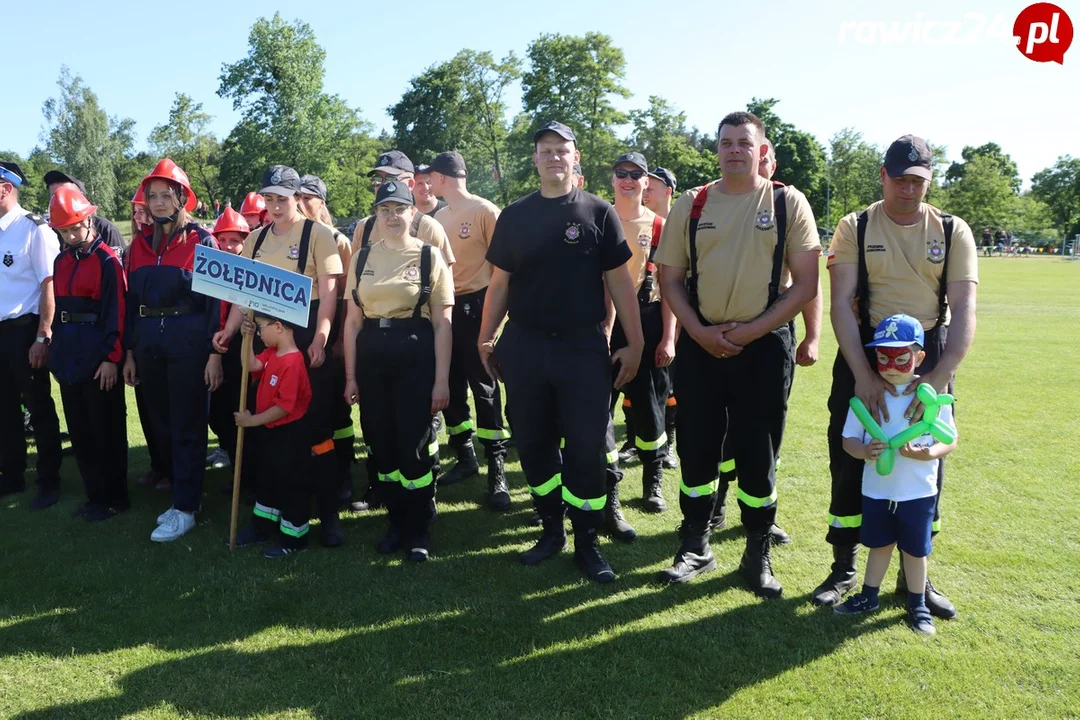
936, 526
458, 429
700, 490
267, 512
345, 432
433, 448
485, 434
612, 456
847, 521
756, 502
419, 483
562, 443
583, 504
654, 445
296, 531
548, 487
727, 466
391, 477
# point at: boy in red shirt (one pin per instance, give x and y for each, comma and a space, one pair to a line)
281, 441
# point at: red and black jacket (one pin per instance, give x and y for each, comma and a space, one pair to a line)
164, 317
89, 323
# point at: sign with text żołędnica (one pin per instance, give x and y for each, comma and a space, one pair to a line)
250, 284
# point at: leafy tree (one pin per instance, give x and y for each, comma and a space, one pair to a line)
800, 158
1058, 187
186, 139
660, 133
854, 174
992, 152
33, 195
983, 196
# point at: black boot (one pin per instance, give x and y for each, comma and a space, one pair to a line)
466, 466
652, 476
842, 578
938, 605
551, 542
694, 556
719, 513
671, 460
498, 487
778, 535
330, 534
756, 565
588, 558
615, 524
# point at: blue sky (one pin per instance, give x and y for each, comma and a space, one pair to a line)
885, 69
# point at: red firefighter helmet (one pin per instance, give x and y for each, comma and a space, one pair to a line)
69, 207
231, 221
253, 204
168, 170
140, 197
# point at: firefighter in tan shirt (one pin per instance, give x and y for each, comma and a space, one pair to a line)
724, 255
908, 257
469, 222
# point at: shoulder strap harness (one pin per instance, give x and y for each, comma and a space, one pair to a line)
645, 293
425, 277
305, 244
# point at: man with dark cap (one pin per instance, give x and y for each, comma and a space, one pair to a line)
28, 249
657, 195
900, 255
102, 228
553, 254
426, 201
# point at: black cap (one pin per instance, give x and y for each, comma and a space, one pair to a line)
313, 185
909, 155
423, 169
58, 176
577, 169
280, 180
450, 164
394, 191
664, 175
634, 158
555, 127
393, 163
12, 173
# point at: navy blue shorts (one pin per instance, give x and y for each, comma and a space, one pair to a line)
907, 523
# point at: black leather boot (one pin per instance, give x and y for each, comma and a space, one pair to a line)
498, 487
552, 541
466, 466
841, 579
588, 558
694, 556
615, 524
756, 565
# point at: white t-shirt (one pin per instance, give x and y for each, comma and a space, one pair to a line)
27, 252
910, 479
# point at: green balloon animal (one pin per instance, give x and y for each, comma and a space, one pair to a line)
930, 423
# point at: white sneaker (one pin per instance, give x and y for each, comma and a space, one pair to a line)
218, 459
175, 527
165, 515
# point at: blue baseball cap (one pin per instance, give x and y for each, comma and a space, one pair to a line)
898, 331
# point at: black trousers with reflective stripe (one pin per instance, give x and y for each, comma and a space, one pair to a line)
751, 388
22, 384
97, 424
846, 497
282, 457
560, 385
395, 373
467, 371
648, 391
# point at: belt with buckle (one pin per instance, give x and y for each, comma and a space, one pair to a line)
163, 312
74, 317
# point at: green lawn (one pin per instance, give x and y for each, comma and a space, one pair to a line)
98, 622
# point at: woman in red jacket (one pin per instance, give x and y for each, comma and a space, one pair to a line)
168, 336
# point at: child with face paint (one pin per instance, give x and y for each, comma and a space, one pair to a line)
897, 509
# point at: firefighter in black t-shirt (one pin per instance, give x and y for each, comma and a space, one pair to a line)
552, 253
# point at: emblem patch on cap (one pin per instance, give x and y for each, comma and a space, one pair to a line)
384, 160
390, 187
294, 252
464, 231
573, 233
764, 221
412, 274
8, 260
913, 155
275, 177
935, 253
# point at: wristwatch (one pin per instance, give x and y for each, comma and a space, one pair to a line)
44, 340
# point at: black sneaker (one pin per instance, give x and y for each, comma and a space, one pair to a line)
857, 604
249, 536
100, 513
920, 620
275, 552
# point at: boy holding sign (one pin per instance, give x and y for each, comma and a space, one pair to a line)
897, 508
282, 450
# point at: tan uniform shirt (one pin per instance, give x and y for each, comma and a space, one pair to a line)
736, 240
428, 230
284, 252
639, 234
903, 263
469, 226
390, 284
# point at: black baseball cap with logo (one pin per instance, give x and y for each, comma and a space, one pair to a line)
558, 128
58, 176
909, 155
313, 185
664, 175
450, 164
632, 158
280, 180
394, 191
393, 163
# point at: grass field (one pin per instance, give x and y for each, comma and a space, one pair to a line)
98, 622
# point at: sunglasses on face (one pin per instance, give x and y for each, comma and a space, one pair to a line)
632, 174
386, 212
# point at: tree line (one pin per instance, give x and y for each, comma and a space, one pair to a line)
287, 116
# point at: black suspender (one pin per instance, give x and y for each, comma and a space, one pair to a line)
361, 261
862, 289
365, 239
425, 277
305, 244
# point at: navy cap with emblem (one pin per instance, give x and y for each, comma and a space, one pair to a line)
450, 164
59, 176
632, 158
909, 155
12, 173
394, 191
393, 163
577, 169
664, 175
313, 185
555, 127
423, 169
280, 180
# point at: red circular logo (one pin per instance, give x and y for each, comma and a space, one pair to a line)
1043, 32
